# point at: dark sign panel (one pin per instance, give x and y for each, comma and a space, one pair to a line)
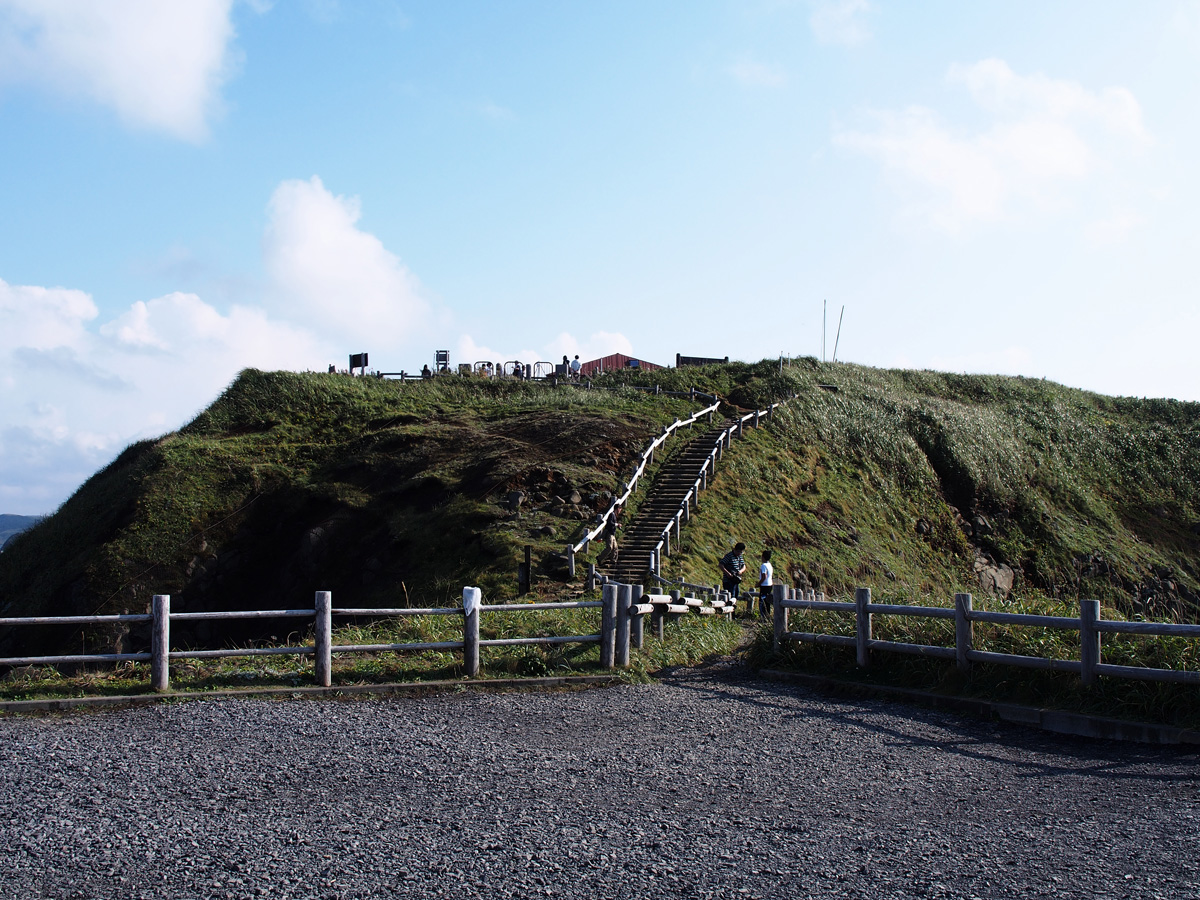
358, 361
697, 361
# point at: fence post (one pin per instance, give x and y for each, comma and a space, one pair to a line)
779, 615
963, 631
637, 624
608, 621
590, 581
624, 601
862, 619
160, 643
472, 597
524, 572
571, 560
757, 414
323, 638
1089, 640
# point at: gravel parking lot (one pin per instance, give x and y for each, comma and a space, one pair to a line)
710, 783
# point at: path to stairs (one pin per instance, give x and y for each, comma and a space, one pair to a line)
638, 537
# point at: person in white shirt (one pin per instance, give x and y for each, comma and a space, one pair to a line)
575, 366
766, 576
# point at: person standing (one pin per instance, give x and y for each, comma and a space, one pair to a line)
611, 549
575, 367
733, 567
766, 578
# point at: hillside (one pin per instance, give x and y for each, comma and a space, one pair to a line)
11, 526
912, 483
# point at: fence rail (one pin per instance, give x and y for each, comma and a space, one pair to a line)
1089, 625
620, 627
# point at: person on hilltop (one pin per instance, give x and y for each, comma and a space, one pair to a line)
733, 567
575, 366
766, 578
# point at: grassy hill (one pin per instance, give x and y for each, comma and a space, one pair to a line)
916, 484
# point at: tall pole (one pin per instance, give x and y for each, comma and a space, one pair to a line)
839, 332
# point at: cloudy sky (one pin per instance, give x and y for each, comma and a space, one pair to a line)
193, 187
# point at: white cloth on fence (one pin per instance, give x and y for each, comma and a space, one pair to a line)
472, 599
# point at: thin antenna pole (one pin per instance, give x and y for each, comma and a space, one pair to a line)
824, 304
839, 332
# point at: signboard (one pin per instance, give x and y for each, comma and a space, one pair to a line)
681, 361
358, 361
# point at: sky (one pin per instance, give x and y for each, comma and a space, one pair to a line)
191, 188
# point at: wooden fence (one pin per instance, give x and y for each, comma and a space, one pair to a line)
623, 609
1089, 625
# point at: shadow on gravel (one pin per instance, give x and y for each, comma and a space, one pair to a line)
1005, 743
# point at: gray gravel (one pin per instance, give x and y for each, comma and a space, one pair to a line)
709, 784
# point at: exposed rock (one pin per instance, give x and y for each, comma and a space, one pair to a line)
515, 499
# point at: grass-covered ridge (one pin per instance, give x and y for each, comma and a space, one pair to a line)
386, 494
912, 483
916, 484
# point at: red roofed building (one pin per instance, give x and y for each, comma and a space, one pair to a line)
614, 362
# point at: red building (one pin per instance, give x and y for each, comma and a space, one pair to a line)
614, 362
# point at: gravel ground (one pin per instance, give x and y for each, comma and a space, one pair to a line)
708, 784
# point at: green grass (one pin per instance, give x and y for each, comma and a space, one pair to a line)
394, 495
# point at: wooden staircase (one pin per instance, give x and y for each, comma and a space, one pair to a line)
638, 538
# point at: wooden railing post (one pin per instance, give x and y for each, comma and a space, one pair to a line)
472, 597
571, 560
637, 624
160, 643
862, 621
624, 601
590, 579
1089, 640
524, 572
608, 622
963, 631
323, 638
779, 615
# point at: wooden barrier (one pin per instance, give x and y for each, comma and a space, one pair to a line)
1089, 625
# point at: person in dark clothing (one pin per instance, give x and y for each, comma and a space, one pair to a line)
609, 554
733, 567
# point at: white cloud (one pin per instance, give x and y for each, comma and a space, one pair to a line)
331, 275
840, 21
76, 394
1113, 229
158, 65
43, 318
755, 74
1043, 135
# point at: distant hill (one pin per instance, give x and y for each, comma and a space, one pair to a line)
14, 525
911, 483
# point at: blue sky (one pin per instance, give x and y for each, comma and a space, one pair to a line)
195, 187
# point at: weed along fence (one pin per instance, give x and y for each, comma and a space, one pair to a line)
623, 610
1089, 625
